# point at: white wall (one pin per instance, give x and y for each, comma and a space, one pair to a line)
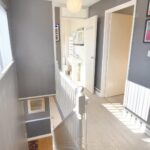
65, 32
12, 127
76, 24
120, 33
68, 26
83, 13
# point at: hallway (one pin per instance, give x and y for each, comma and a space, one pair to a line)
106, 132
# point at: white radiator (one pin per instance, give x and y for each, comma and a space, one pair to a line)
71, 132
137, 99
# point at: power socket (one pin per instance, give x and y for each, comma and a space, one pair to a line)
148, 53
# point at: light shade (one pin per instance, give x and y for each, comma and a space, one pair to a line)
74, 6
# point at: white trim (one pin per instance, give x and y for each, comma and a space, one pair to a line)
54, 35
62, 4
39, 137
62, 52
41, 109
56, 4
98, 92
131, 40
37, 120
51, 123
35, 97
122, 6
105, 40
5, 70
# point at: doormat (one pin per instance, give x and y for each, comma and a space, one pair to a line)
33, 145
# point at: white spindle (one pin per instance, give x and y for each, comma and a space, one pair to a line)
71, 101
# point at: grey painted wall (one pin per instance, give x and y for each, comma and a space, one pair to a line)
99, 9
139, 71
37, 115
58, 43
12, 131
38, 128
41, 127
139, 63
32, 42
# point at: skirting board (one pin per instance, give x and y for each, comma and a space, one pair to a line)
39, 137
35, 97
147, 131
98, 92
29, 121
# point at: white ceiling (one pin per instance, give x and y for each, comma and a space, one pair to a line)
86, 3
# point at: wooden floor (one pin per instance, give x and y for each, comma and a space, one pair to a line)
45, 144
41, 144
107, 132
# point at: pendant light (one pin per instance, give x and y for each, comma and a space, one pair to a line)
74, 6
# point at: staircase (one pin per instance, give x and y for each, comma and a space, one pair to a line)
70, 134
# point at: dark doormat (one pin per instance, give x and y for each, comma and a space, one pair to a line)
33, 145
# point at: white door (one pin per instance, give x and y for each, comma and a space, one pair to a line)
90, 37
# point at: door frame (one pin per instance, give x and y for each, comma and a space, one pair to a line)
107, 25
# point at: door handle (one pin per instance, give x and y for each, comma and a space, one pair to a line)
92, 57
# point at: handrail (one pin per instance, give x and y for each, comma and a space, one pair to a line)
72, 84
66, 92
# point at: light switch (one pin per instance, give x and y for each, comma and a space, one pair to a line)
148, 53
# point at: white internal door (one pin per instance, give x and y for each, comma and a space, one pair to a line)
90, 37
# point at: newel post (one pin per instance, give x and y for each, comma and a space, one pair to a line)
81, 113
80, 101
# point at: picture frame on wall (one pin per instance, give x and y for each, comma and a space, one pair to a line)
147, 31
57, 32
148, 9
